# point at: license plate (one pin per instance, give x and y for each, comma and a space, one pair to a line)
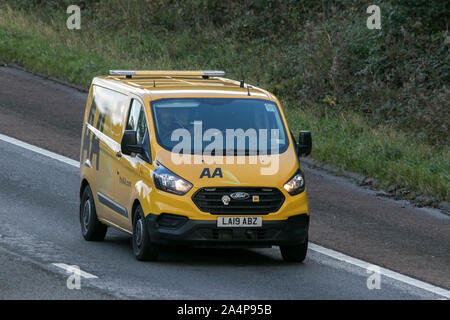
239, 222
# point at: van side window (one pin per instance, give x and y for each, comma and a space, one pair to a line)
107, 106
136, 120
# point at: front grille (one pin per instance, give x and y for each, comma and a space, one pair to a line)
210, 200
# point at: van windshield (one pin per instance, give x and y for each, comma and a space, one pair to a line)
219, 126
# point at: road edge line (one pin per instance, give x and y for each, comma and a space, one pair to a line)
383, 271
39, 150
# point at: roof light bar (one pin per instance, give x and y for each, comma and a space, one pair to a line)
122, 72
208, 73
211, 73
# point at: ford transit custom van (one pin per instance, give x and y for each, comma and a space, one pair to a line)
191, 158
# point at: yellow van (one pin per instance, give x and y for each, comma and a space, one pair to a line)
191, 158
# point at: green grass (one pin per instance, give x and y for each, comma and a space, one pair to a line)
22, 42
345, 141
342, 139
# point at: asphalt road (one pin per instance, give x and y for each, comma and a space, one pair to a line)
24, 279
39, 223
38, 201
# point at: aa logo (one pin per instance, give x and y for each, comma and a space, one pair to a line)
91, 143
207, 173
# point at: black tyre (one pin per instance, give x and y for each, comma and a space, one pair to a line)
143, 249
294, 253
91, 228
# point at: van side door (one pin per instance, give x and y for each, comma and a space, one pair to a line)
128, 169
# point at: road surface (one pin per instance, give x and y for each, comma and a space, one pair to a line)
39, 226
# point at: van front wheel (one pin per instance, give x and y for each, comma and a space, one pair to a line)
294, 253
143, 249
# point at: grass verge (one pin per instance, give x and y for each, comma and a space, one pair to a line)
407, 169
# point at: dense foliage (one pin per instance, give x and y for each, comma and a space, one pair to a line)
309, 51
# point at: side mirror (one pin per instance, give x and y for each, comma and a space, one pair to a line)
129, 143
304, 143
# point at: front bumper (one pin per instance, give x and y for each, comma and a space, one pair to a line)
179, 230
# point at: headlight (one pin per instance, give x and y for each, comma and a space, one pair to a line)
296, 184
168, 181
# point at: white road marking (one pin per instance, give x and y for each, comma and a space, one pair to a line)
314, 247
383, 271
41, 151
69, 269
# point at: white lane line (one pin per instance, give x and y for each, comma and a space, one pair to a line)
314, 247
39, 150
383, 271
70, 269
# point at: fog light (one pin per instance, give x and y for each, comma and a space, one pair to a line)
171, 221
